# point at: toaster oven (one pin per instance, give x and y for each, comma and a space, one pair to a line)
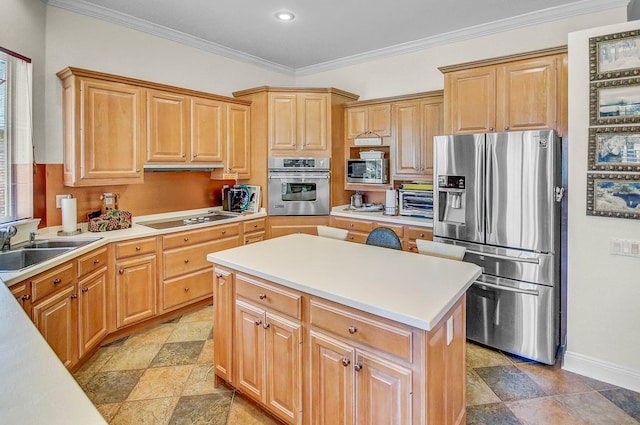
417, 203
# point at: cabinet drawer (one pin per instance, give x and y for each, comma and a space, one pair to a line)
357, 237
189, 259
410, 246
349, 224
269, 296
419, 233
92, 261
192, 237
135, 247
187, 289
395, 340
254, 237
47, 283
254, 225
397, 228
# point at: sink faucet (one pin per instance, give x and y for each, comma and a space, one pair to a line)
32, 237
5, 237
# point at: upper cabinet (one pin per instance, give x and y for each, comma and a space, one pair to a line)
512, 93
369, 120
114, 126
299, 122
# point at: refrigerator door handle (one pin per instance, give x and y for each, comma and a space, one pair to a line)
508, 289
489, 187
479, 189
505, 257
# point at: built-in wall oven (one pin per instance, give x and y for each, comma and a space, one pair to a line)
298, 186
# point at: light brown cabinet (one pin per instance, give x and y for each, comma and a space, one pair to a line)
254, 230
223, 307
168, 129
135, 281
93, 321
507, 94
286, 225
359, 229
22, 292
103, 130
373, 120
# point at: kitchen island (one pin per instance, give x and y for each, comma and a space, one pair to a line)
318, 330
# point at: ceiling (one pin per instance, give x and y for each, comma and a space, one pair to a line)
325, 33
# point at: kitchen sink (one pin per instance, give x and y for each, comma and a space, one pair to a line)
25, 257
59, 243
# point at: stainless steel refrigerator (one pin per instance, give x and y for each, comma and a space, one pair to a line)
498, 195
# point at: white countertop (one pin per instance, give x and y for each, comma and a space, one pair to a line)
345, 211
36, 387
409, 288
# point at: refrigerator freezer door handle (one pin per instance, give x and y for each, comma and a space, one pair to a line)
505, 257
478, 188
489, 189
508, 289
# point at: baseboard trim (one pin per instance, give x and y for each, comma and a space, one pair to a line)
602, 371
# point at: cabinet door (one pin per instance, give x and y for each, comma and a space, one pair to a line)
379, 119
167, 127
135, 290
249, 365
432, 125
282, 121
527, 95
56, 318
222, 319
470, 101
332, 391
112, 137
406, 123
208, 130
383, 391
22, 293
239, 140
93, 310
313, 122
284, 377
356, 122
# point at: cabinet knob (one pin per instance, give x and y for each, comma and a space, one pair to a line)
266, 325
218, 275
85, 290
490, 128
74, 296
350, 224
357, 366
186, 260
186, 239
224, 232
352, 330
262, 296
255, 225
121, 271
422, 235
138, 248
506, 127
258, 322
25, 297
186, 289
56, 281
345, 362
96, 261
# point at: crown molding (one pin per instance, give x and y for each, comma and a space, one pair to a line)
534, 18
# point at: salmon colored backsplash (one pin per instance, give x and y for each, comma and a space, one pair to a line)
161, 192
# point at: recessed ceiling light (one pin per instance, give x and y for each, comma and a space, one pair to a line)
284, 16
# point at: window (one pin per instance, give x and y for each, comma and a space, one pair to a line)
16, 165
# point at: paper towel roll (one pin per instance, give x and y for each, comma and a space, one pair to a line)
69, 215
390, 202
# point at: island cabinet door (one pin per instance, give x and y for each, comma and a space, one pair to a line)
332, 374
383, 391
222, 321
249, 356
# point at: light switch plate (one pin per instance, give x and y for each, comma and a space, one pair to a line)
59, 199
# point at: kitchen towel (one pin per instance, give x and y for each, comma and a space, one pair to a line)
69, 215
390, 205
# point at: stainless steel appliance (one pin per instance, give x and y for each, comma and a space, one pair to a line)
417, 203
368, 171
298, 186
498, 194
189, 220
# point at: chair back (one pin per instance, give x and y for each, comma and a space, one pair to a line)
333, 232
384, 237
439, 249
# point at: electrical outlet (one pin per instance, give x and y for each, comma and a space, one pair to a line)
59, 199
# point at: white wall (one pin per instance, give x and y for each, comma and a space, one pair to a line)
76, 40
22, 30
604, 290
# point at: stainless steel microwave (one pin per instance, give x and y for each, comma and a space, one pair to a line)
368, 171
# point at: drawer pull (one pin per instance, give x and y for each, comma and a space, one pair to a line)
138, 248
255, 225
224, 232
25, 297
422, 235
352, 330
258, 322
85, 290
56, 281
74, 296
96, 261
121, 271
345, 362
350, 224
186, 289
357, 366
266, 325
262, 296
186, 260
186, 239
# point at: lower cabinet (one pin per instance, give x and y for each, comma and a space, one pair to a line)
223, 301
285, 225
93, 321
359, 229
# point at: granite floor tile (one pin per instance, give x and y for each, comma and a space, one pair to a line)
201, 380
203, 315
98, 360
191, 331
542, 411
598, 385
479, 356
156, 335
156, 411
178, 353
491, 414
592, 408
112, 387
509, 383
109, 410
206, 355
132, 357
158, 382
207, 409
478, 392
245, 412
174, 320
553, 380
627, 400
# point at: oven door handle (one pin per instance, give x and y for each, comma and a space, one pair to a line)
533, 292
299, 176
505, 257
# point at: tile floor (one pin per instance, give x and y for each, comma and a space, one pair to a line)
164, 376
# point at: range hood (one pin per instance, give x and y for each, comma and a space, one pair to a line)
181, 167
